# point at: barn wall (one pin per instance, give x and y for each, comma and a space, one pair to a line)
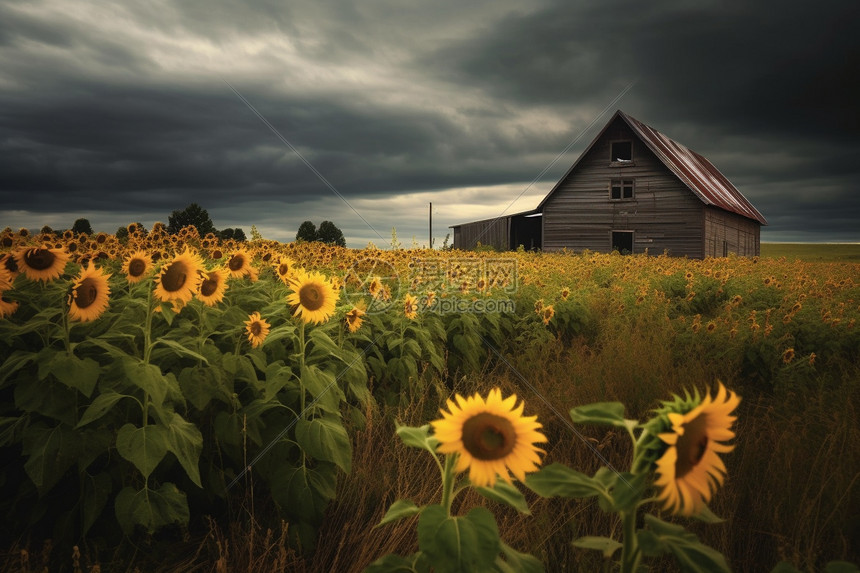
494, 232
664, 215
728, 233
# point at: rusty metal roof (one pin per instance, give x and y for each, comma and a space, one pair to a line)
696, 172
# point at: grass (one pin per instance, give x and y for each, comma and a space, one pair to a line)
819, 252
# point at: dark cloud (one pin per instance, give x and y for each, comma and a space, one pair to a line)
108, 111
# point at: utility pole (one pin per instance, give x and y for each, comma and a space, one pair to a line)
431, 224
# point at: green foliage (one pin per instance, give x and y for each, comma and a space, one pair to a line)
194, 215
307, 232
329, 233
82, 226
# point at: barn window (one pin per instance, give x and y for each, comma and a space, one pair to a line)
622, 151
621, 189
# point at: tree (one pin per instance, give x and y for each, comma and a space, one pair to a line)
82, 226
329, 233
236, 234
255, 234
307, 232
47, 230
122, 234
195, 215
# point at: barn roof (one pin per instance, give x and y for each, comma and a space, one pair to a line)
696, 172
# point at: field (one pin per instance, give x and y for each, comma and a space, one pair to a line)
151, 420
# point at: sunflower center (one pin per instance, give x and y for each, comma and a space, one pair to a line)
256, 328
236, 263
283, 269
10, 264
86, 293
136, 267
174, 277
311, 297
692, 446
39, 259
208, 287
488, 436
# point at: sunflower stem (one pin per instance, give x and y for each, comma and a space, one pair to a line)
448, 482
630, 554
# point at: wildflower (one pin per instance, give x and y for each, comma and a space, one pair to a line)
213, 286
788, 356
490, 437
690, 469
257, 329
136, 265
313, 297
353, 318
89, 297
41, 264
180, 278
565, 292
410, 306
548, 313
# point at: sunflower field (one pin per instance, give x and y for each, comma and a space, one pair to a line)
187, 403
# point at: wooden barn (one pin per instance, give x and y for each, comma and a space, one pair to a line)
632, 189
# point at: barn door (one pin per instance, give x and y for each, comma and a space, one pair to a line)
622, 241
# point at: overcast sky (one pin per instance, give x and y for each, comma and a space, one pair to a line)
121, 113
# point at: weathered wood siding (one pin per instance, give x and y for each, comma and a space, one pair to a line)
664, 215
728, 233
495, 232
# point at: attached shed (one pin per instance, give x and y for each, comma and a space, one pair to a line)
632, 189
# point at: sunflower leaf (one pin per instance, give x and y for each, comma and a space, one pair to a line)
692, 555
462, 543
144, 447
180, 349
151, 508
708, 516
603, 414
516, 562
100, 406
418, 437
605, 544
558, 480
325, 439
398, 510
392, 563
506, 493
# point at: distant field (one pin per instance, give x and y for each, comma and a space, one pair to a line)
829, 252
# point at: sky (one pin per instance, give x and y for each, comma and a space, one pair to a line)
272, 113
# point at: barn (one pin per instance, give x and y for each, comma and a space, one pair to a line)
633, 189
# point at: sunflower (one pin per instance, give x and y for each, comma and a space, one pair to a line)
40, 263
213, 287
180, 278
89, 297
313, 297
284, 268
491, 437
690, 470
7, 307
410, 306
257, 329
239, 264
353, 318
548, 313
136, 265
565, 292
7, 262
375, 287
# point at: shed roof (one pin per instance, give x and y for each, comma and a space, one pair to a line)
697, 173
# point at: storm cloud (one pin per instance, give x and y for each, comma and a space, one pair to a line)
272, 113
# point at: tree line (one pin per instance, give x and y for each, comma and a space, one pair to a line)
197, 216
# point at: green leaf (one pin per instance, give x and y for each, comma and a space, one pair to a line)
691, 554
304, 492
144, 447
50, 452
785, 567
516, 562
201, 384
418, 437
74, 372
325, 439
180, 349
506, 493
323, 387
186, 443
458, 544
708, 516
840, 567
391, 563
627, 490
15, 362
557, 480
48, 398
605, 544
151, 509
96, 491
398, 510
147, 377
602, 413
100, 406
